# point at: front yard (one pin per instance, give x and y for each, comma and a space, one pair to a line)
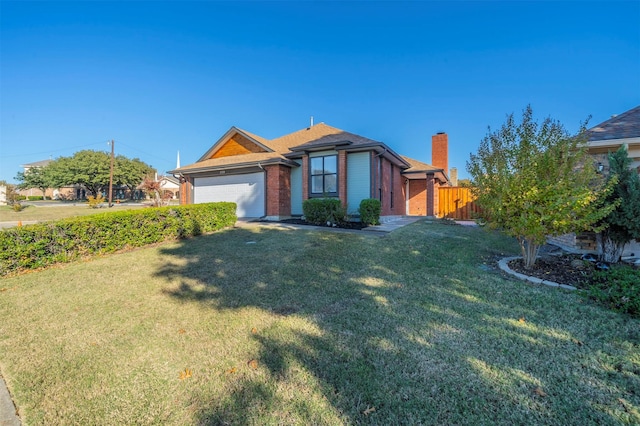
267, 326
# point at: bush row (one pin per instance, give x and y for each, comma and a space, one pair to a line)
39, 245
321, 211
618, 289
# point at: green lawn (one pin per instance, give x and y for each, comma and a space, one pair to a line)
306, 327
64, 210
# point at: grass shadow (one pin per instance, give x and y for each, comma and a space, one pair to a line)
406, 329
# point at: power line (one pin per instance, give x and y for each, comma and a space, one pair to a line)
143, 152
51, 150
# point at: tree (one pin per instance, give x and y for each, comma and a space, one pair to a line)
35, 177
12, 196
130, 172
92, 170
623, 223
465, 183
154, 189
88, 168
533, 181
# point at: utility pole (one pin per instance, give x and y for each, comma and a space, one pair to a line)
111, 177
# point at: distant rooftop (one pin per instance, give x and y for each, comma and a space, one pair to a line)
621, 126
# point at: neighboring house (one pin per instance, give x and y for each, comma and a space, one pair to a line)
607, 137
610, 135
170, 184
272, 178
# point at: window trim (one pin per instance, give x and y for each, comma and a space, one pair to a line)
323, 174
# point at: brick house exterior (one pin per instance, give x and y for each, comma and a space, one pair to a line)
272, 178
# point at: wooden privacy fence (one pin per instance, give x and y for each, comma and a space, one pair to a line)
456, 202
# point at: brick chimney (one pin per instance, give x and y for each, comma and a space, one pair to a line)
440, 151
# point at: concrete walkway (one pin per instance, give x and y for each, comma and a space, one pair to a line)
8, 416
377, 230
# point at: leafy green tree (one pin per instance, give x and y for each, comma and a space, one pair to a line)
131, 172
88, 168
35, 177
92, 170
534, 180
623, 223
465, 183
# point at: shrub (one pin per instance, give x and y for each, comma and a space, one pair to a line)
370, 211
35, 198
617, 288
17, 207
43, 244
323, 211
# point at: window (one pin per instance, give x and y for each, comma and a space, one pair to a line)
324, 175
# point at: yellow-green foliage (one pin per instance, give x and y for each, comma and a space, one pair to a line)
39, 245
534, 180
94, 202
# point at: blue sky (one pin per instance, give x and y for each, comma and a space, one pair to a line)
162, 77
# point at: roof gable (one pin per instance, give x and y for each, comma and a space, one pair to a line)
236, 142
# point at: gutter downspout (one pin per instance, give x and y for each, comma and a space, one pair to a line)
265, 189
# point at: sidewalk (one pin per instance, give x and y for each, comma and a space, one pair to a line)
8, 416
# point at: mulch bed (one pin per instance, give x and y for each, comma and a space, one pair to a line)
567, 269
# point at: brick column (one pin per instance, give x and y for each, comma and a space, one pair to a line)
430, 195
278, 192
342, 177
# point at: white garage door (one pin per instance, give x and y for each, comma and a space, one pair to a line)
247, 191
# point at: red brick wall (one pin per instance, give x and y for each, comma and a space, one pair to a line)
278, 190
342, 177
386, 188
418, 197
387, 191
440, 151
399, 205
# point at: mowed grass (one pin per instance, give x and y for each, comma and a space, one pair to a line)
273, 326
47, 212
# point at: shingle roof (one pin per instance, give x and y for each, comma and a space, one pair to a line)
621, 126
254, 136
233, 160
322, 134
41, 163
418, 166
315, 136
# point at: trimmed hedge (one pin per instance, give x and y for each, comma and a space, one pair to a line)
35, 198
43, 244
321, 211
370, 211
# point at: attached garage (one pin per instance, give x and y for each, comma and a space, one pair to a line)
246, 190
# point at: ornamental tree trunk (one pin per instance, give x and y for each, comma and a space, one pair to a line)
530, 251
611, 250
